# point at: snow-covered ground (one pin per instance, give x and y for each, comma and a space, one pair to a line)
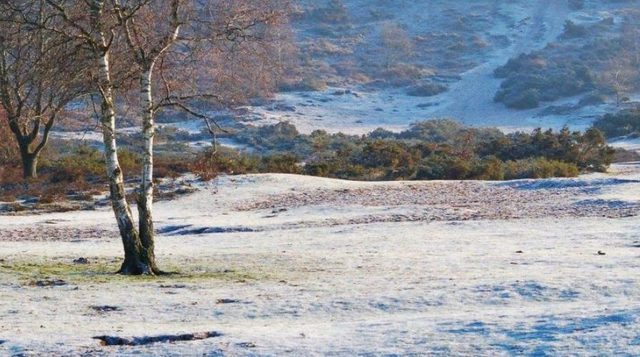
631, 144
361, 111
92, 136
316, 266
283, 264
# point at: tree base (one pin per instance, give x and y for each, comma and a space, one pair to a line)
137, 268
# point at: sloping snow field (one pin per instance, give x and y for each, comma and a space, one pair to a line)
282, 264
469, 100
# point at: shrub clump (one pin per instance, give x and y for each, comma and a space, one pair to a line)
427, 90
623, 123
433, 150
530, 79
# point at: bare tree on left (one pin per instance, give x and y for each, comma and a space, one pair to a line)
39, 77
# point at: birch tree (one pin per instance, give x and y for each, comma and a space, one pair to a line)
149, 34
173, 44
92, 26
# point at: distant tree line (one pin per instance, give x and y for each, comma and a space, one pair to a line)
432, 150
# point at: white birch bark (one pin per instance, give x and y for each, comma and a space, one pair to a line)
146, 60
114, 172
121, 207
133, 264
148, 133
145, 199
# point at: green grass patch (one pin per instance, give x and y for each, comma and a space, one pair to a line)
36, 273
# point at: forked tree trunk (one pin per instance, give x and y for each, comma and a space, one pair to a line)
29, 163
138, 258
30, 156
137, 261
145, 57
29, 153
145, 194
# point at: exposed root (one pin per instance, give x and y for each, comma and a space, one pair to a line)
150, 272
139, 341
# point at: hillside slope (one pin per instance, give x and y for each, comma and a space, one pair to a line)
374, 55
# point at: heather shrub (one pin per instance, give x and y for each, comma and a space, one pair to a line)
625, 122
285, 164
427, 90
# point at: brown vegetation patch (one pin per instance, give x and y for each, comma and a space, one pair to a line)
447, 201
42, 233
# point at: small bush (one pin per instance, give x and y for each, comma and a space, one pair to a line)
403, 74
529, 80
307, 84
321, 169
427, 90
539, 168
625, 122
622, 155
528, 99
48, 199
285, 164
83, 162
210, 164
443, 167
130, 162
170, 166
592, 99
490, 169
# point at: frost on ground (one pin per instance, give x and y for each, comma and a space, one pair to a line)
361, 111
525, 26
280, 264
